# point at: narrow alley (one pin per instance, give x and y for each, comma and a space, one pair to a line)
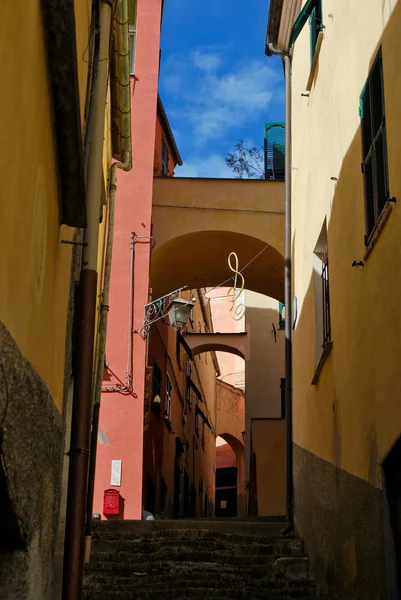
199, 319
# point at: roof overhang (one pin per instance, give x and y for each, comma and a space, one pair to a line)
282, 15
61, 50
168, 131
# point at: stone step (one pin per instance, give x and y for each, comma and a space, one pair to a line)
190, 559
202, 594
167, 559
150, 545
216, 581
236, 527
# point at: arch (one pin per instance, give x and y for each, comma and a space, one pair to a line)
250, 207
233, 343
237, 445
238, 448
199, 259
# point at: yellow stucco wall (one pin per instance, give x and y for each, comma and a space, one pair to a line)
268, 443
352, 416
198, 222
34, 266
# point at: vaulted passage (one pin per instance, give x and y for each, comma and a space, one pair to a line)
198, 222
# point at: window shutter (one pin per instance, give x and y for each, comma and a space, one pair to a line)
314, 30
301, 20
374, 147
364, 111
376, 81
380, 155
369, 205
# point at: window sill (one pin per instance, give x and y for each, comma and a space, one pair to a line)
315, 60
377, 230
323, 358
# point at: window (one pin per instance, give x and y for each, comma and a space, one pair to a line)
322, 299
156, 381
188, 392
282, 394
312, 10
197, 422
281, 315
164, 169
315, 26
169, 390
132, 44
374, 147
178, 348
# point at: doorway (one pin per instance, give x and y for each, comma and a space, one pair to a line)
392, 478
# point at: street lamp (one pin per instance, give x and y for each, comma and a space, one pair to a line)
179, 311
176, 307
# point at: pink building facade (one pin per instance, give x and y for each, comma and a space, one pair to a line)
120, 441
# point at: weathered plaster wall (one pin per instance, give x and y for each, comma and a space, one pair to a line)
351, 418
121, 420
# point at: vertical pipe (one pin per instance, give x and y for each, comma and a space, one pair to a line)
82, 401
288, 298
104, 310
288, 293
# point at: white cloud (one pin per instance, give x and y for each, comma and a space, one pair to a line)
212, 165
214, 98
207, 61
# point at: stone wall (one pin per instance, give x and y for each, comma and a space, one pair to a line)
340, 518
31, 447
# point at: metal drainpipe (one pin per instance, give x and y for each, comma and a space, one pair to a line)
101, 351
82, 401
288, 293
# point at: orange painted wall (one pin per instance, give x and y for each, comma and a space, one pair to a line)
121, 418
160, 439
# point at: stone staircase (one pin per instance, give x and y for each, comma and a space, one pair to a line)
191, 559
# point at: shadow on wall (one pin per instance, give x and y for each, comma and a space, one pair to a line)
200, 260
346, 423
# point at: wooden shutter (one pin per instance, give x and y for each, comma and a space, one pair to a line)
374, 147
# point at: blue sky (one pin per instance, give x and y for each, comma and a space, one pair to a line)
216, 83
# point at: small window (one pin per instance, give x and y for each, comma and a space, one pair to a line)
322, 294
165, 157
188, 390
315, 26
374, 147
169, 390
281, 315
156, 381
311, 10
178, 348
197, 423
282, 391
132, 45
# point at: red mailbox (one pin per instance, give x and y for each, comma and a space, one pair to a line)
111, 502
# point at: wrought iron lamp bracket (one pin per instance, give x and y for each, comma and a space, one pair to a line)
157, 309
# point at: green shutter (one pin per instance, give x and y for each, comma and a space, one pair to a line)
303, 16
